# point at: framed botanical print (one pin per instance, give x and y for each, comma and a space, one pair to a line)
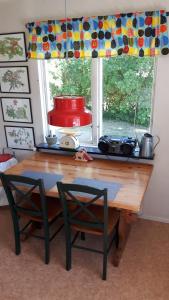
16, 109
12, 47
14, 80
19, 137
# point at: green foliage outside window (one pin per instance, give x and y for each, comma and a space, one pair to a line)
127, 85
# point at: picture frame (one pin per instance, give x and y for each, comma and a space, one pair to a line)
16, 109
14, 79
20, 137
12, 47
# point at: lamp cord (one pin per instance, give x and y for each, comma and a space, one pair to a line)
66, 25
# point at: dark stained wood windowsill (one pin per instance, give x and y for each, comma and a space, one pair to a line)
90, 149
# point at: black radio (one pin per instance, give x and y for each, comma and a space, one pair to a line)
113, 145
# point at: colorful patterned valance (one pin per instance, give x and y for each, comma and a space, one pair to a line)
136, 34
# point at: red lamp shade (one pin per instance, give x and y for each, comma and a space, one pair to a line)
69, 111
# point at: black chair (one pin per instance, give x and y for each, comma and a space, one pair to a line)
26, 197
87, 217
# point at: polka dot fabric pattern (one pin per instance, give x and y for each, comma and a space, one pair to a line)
136, 34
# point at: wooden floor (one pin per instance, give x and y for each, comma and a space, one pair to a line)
142, 275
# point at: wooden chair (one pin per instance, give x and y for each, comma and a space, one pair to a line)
87, 217
26, 197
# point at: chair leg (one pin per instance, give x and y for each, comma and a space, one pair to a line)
104, 275
82, 236
47, 242
47, 252
17, 235
68, 249
17, 242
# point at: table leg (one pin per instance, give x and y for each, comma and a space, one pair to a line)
30, 230
125, 221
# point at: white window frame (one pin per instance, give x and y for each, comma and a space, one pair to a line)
96, 97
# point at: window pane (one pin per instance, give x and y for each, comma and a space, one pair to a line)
127, 95
72, 77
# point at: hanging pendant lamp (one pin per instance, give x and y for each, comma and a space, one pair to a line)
69, 111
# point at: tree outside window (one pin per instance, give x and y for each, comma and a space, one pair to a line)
127, 91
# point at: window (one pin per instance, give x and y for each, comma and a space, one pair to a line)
118, 90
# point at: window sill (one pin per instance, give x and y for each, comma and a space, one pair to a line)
91, 150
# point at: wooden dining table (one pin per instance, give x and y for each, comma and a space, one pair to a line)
133, 178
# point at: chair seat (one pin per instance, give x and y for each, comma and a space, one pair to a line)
53, 206
5, 157
113, 216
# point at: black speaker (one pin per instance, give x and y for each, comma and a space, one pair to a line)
112, 145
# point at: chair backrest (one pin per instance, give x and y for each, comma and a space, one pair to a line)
84, 199
19, 191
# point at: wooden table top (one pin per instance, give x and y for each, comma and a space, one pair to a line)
134, 177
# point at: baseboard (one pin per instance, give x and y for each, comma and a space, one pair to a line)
154, 218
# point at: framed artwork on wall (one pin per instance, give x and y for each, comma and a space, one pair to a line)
12, 47
19, 137
16, 109
14, 80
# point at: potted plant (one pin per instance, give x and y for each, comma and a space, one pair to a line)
51, 139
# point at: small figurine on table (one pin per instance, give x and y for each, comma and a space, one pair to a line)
82, 155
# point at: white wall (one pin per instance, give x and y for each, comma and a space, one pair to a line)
13, 16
